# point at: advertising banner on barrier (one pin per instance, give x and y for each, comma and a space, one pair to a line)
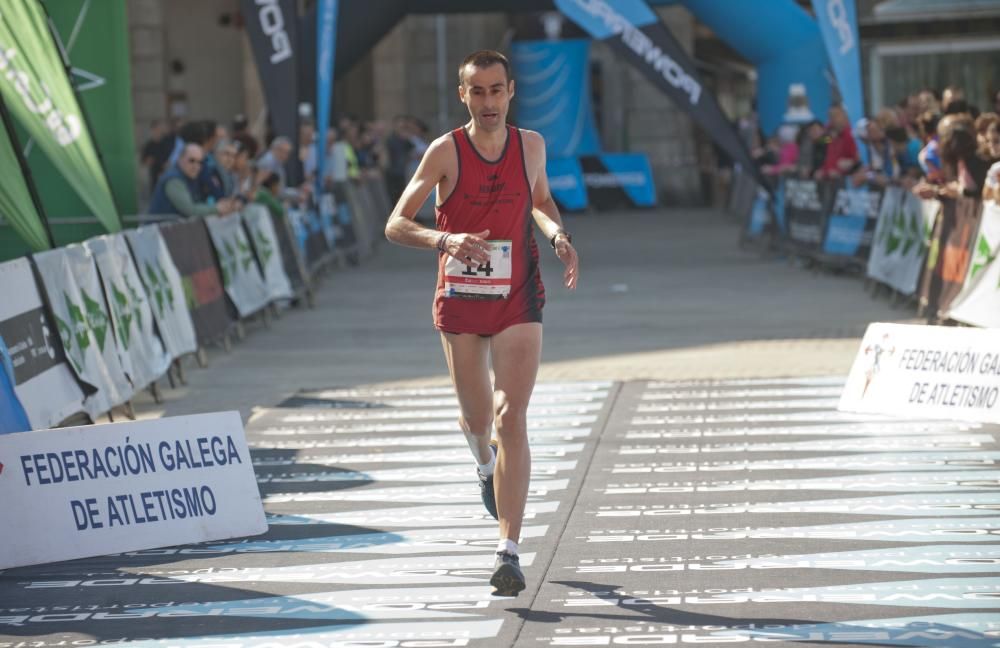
43, 379
102, 489
760, 217
37, 92
979, 302
851, 224
77, 300
898, 251
265, 243
291, 256
194, 258
618, 180
566, 183
926, 372
240, 272
164, 290
13, 418
951, 248
806, 207
139, 347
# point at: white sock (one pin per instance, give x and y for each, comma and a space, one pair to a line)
486, 469
507, 545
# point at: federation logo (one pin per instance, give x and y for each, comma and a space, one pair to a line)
874, 354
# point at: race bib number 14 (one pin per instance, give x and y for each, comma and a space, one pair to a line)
490, 280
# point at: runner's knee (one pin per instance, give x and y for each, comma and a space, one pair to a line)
508, 415
476, 425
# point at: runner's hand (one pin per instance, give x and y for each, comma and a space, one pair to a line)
567, 254
466, 246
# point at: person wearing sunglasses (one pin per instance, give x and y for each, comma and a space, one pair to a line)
179, 193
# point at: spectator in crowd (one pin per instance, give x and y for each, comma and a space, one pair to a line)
813, 141
398, 147
949, 96
787, 151
156, 151
240, 125
224, 176
930, 157
179, 192
307, 150
269, 195
882, 165
906, 150
842, 153
963, 170
243, 166
984, 123
929, 102
275, 158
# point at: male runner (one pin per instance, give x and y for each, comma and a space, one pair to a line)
491, 186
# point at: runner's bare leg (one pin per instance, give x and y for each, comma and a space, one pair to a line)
516, 353
468, 363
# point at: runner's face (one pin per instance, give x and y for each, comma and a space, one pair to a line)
486, 92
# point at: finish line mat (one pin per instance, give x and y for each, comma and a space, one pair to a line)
698, 512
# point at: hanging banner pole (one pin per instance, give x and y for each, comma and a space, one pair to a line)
29, 180
326, 49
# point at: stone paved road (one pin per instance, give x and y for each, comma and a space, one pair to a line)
692, 483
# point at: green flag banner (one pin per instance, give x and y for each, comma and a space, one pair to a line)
94, 36
37, 93
16, 206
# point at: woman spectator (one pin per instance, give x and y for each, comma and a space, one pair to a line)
812, 142
963, 170
269, 195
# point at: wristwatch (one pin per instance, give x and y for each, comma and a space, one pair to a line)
569, 237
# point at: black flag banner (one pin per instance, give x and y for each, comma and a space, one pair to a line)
272, 26
636, 33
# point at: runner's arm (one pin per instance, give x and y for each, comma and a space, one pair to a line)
546, 213
544, 209
401, 227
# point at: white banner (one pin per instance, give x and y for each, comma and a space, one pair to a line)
926, 371
43, 380
265, 242
979, 302
165, 290
139, 347
898, 249
102, 489
240, 274
77, 300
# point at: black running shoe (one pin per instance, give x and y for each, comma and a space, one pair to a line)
486, 489
508, 579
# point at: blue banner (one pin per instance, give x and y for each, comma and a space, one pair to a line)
326, 47
553, 94
838, 22
566, 183
12, 415
851, 224
628, 173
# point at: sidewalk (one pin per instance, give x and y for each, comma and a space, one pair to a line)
663, 294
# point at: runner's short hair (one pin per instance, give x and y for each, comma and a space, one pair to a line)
483, 59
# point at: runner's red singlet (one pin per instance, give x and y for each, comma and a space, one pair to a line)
493, 195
